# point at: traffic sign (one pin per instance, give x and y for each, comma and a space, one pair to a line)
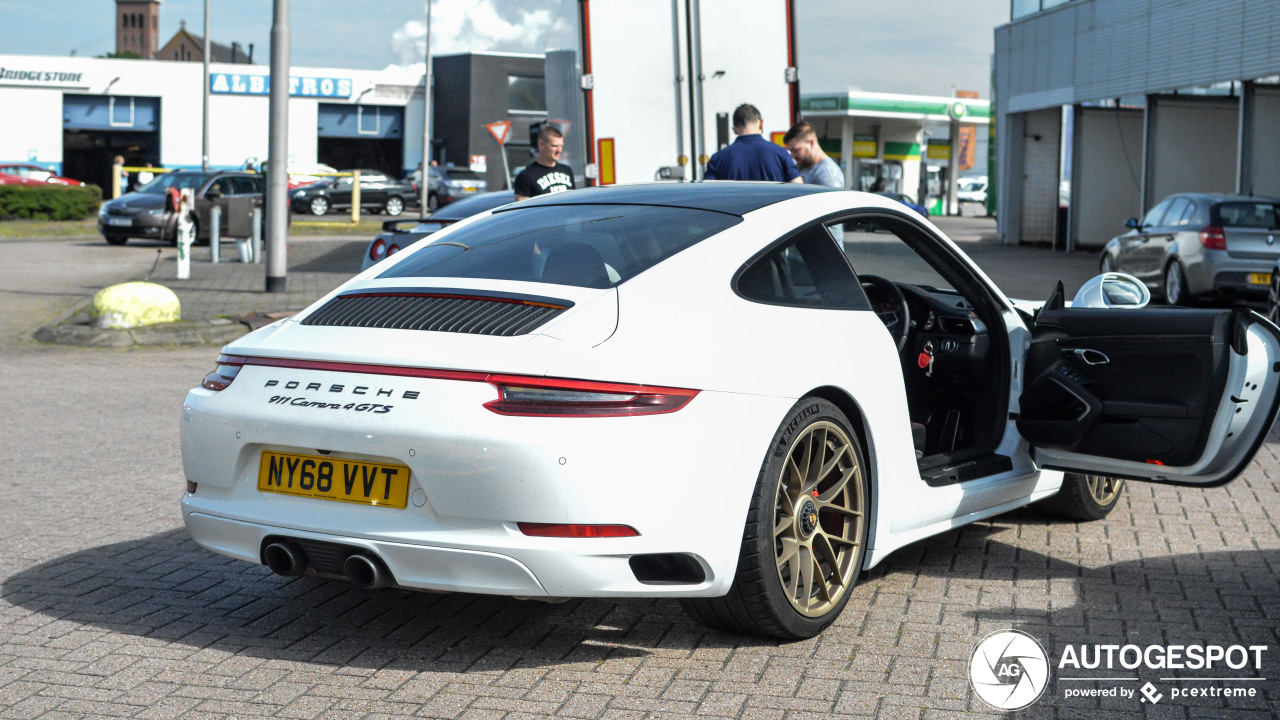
499, 131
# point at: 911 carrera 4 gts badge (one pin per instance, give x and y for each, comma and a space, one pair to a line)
336, 388
376, 408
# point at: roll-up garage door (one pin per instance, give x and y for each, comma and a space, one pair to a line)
361, 136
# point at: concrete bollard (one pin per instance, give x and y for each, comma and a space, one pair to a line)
215, 234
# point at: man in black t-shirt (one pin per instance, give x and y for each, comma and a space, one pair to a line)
546, 174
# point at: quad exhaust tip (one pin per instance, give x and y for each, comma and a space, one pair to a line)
366, 572
285, 559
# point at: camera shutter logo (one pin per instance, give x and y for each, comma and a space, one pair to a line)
1009, 670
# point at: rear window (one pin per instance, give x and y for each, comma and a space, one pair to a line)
1247, 214
594, 246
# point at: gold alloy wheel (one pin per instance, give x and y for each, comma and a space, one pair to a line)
819, 513
1103, 489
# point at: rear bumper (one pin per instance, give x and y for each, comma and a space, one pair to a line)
1220, 273
683, 480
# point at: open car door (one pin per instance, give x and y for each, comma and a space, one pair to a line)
1169, 395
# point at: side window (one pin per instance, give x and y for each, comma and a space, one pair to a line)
1157, 213
241, 185
1175, 212
808, 271
876, 246
1188, 215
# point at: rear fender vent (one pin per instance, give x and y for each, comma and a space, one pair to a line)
439, 311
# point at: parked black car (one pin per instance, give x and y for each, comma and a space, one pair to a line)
142, 213
378, 193
394, 237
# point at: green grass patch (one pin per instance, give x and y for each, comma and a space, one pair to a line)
366, 226
47, 229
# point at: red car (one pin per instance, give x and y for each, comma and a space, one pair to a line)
26, 174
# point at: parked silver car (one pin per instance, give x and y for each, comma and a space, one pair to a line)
1195, 246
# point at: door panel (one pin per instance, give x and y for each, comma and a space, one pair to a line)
1181, 396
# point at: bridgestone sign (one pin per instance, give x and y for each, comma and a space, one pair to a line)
39, 76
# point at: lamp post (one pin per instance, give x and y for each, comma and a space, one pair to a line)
278, 149
424, 189
204, 133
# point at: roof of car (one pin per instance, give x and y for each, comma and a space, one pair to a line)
1226, 197
732, 197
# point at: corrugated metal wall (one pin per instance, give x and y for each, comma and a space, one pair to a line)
1095, 49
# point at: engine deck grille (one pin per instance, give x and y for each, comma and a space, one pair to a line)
438, 312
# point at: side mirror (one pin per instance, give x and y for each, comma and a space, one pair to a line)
1132, 223
1112, 290
213, 195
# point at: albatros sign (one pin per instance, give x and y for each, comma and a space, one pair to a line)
247, 84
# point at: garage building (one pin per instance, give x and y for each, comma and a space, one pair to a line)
1107, 106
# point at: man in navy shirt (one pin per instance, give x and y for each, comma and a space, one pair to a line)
751, 157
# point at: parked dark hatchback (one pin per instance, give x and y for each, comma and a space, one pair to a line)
1197, 246
142, 213
378, 193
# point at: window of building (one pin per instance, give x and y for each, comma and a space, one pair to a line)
526, 94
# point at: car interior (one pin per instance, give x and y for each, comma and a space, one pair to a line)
936, 312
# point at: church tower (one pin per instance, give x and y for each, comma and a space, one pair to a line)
138, 27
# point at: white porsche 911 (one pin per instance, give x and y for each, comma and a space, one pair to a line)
740, 395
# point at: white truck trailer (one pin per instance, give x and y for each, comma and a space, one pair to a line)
660, 80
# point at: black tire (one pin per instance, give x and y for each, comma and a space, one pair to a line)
433, 202
116, 239
1175, 284
1085, 498
758, 602
318, 205
393, 205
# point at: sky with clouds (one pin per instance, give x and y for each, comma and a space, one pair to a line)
924, 47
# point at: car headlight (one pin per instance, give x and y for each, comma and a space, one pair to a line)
157, 211
299, 194
102, 210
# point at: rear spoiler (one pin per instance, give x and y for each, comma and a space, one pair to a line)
393, 226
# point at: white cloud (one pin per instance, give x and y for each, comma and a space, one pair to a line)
458, 26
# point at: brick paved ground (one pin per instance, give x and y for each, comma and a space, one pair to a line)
108, 610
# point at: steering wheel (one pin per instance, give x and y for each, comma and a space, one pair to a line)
890, 305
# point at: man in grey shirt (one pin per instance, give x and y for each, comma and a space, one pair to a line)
816, 167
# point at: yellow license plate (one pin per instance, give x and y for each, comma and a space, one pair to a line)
1259, 278
330, 478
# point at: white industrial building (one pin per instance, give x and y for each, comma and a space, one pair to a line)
75, 114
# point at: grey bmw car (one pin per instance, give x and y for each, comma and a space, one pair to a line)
1194, 246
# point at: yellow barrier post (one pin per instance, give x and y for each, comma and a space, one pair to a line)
116, 169
355, 197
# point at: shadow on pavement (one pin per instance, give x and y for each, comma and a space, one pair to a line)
167, 588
